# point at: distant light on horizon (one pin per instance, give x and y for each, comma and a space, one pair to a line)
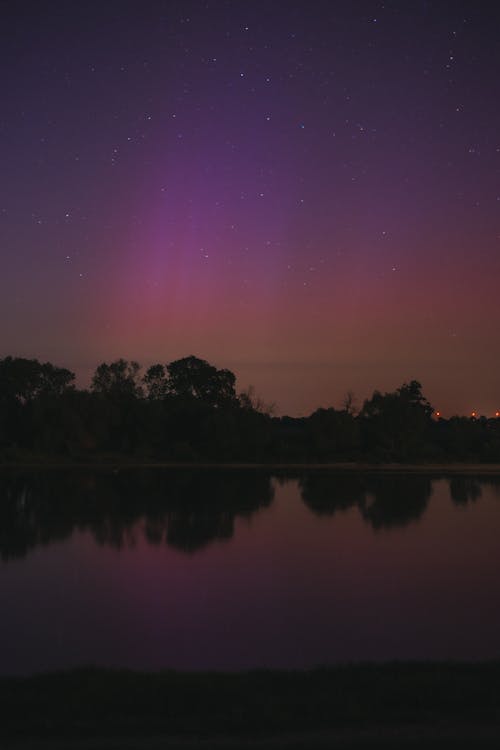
276, 212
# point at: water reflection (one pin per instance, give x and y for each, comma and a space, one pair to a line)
395, 501
327, 494
324, 574
185, 509
190, 509
384, 501
464, 490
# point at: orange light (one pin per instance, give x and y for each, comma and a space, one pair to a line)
438, 414
473, 414
497, 414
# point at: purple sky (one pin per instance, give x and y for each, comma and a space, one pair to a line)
307, 193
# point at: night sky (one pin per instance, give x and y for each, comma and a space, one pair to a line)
307, 193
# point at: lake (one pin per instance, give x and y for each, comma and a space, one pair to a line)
239, 569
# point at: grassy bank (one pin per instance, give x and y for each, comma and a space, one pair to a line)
353, 702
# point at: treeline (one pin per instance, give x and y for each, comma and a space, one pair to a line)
189, 410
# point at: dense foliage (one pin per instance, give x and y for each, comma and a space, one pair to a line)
188, 410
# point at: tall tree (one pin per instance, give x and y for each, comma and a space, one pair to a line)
395, 424
26, 379
191, 377
156, 382
120, 378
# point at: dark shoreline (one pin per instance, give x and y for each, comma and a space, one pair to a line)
120, 465
353, 704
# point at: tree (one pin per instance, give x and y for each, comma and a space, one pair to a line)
26, 379
332, 434
193, 378
408, 397
28, 388
349, 403
395, 424
250, 402
120, 378
156, 382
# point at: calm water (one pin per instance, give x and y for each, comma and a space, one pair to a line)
197, 570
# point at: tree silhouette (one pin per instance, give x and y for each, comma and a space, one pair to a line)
156, 382
120, 378
27, 379
395, 424
188, 411
332, 434
191, 377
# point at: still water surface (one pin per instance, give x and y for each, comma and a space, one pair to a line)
243, 569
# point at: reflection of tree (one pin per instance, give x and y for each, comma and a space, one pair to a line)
201, 511
384, 501
325, 494
493, 483
395, 500
22, 505
192, 531
464, 490
186, 509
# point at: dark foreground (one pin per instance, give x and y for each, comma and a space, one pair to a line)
391, 705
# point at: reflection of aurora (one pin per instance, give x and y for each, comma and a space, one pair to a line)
190, 509
185, 509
